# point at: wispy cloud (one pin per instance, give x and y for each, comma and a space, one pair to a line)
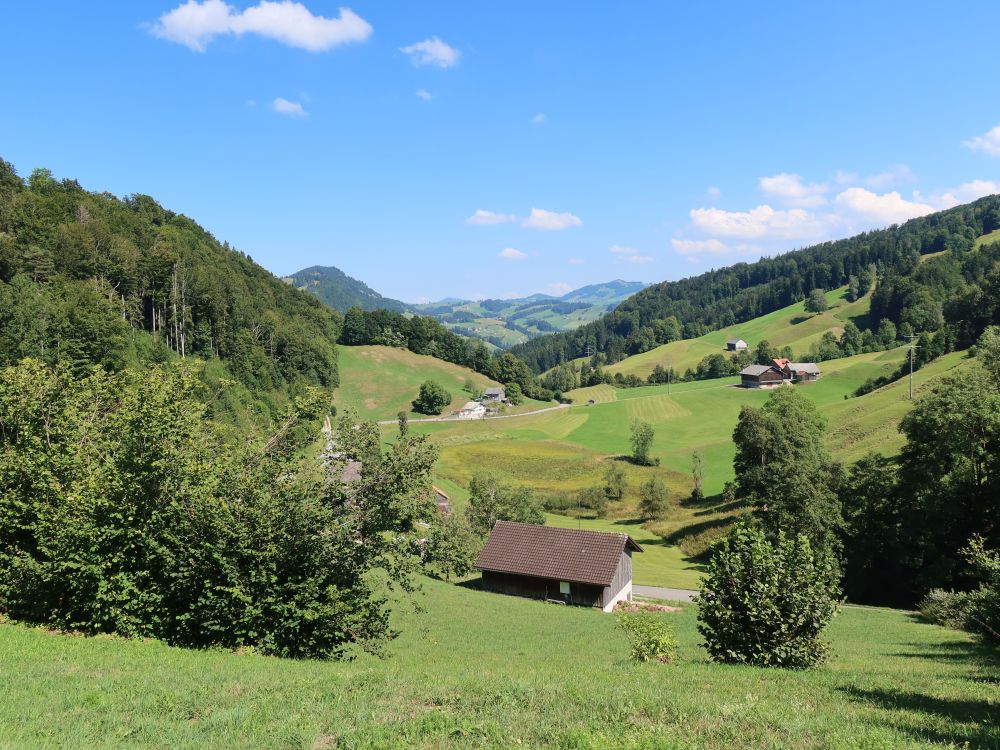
510, 253
425, 94
576, 261
285, 107
559, 287
484, 218
195, 23
887, 208
539, 119
713, 193
432, 52
988, 142
629, 254
551, 220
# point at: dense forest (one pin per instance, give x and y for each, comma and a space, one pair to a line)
959, 289
342, 292
91, 279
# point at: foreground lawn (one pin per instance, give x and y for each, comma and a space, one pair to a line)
484, 670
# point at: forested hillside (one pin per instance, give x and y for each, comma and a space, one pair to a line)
342, 292
91, 279
956, 288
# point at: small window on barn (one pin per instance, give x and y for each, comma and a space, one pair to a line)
563, 587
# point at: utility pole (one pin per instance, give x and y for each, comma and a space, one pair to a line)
912, 347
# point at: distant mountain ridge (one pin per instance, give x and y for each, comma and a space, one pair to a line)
500, 322
336, 289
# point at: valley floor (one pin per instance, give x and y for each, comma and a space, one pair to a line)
484, 670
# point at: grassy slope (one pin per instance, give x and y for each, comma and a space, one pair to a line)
987, 239
485, 670
791, 326
380, 381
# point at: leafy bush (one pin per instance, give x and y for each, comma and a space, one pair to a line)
491, 500
977, 611
432, 398
651, 638
451, 546
123, 509
767, 603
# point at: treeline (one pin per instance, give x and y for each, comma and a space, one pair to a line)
899, 527
425, 335
87, 278
944, 290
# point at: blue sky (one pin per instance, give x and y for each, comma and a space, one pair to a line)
644, 141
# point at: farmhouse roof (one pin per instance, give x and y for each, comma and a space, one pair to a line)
735, 341
804, 367
472, 406
440, 492
755, 370
779, 362
573, 555
493, 391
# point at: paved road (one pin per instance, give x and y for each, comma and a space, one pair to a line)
658, 592
499, 416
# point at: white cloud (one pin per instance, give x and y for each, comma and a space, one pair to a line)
551, 220
895, 174
488, 218
762, 221
964, 193
988, 142
713, 193
697, 247
432, 52
576, 261
510, 253
285, 107
887, 208
195, 23
629, 254
559, 287
539, 119
425, 94
790, 189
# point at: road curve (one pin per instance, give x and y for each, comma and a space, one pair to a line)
482, 419
658, 592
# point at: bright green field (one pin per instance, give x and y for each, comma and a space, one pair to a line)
380, 381
791, 326
987, 239
478, 670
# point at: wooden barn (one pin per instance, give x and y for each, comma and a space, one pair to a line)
736, 345
760, 376
572, 566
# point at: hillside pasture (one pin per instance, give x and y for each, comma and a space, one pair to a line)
479, 670
790, 326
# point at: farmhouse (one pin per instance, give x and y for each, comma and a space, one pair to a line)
471, 410
495, 394
760, 376
779, 371
573, 566
736, 345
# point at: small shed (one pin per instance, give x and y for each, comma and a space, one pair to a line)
573, 566
495, 394
760, 376
736, 345
442, 500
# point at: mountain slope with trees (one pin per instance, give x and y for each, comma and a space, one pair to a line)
336, 289
88, 278
931, 276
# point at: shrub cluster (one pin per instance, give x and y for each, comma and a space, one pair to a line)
767, 603
651, 638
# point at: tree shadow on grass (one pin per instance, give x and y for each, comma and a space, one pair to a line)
951, 721
975, 653
675, 537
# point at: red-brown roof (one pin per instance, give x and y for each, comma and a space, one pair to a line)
573, 555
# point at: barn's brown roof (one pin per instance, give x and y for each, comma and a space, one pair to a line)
573, 555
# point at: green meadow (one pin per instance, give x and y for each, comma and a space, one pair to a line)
477, 670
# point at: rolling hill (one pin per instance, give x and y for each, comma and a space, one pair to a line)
336, 289
504, 323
